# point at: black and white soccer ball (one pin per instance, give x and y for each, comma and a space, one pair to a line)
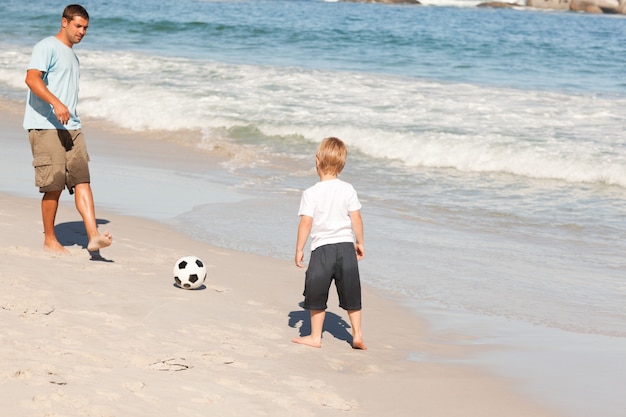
189, 272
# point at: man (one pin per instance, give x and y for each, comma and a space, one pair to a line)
59, 152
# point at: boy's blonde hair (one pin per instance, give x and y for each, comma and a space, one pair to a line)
331, 156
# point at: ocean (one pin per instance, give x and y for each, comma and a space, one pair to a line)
488, 148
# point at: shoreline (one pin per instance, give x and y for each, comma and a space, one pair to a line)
124, 333
125, 321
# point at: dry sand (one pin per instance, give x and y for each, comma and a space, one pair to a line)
112, 336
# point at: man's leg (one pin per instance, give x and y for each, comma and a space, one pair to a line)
49, 206
85, 206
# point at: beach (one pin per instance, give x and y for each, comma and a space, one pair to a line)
111, 335
491, 169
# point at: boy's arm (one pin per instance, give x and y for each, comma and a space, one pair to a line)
35, 82
357, 228
304, 229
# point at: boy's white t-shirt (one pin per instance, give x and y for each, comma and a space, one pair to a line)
329, 203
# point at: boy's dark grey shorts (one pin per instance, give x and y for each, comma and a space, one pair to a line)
336, 261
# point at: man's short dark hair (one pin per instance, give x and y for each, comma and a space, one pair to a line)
74, 10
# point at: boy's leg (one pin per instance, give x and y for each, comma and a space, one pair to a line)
348, 284
318, 279
317, 325
355, 322
49, 206
86, 208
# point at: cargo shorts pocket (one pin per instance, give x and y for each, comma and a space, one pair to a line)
43, 170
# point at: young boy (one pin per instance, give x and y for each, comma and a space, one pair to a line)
329, 212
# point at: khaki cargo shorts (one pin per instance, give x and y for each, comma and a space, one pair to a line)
60, 159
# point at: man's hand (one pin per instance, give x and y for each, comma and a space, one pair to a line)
62, 113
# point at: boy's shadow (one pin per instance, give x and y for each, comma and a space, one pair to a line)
333, 324
73, 233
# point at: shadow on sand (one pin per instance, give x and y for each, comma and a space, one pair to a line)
333, 324
73, 233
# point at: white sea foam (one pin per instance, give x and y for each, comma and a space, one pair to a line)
576, 138
420, 123
13, 64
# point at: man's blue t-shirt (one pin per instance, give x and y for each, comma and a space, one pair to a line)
61, 70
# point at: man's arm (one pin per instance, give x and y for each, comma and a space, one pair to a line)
34, 81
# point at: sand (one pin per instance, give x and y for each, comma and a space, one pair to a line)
111, 335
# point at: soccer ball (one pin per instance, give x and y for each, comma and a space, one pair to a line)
189, 272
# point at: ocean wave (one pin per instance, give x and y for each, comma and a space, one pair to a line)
418, 122
421, 123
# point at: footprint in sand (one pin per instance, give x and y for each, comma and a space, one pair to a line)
26, 309
135, 386
318, 392
23, 374
172, 364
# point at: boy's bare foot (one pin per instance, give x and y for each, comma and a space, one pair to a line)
308, 341
358, 344
101, 241
55, 247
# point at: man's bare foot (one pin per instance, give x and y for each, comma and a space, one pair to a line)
308, 341
55, 247
358, 344
101, 241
